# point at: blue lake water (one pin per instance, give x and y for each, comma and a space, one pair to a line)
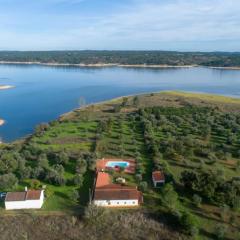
43, 93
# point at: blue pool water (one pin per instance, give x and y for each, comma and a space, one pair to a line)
117, 164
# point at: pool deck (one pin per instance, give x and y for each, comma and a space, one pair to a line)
102, 164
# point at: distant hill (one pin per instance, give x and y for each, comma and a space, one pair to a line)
213, 59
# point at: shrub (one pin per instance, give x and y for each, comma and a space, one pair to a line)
143, 186
220, 232
189, 223
197, 200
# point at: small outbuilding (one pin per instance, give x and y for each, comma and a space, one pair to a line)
29, 199
158, 178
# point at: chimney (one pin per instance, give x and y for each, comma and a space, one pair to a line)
26, 189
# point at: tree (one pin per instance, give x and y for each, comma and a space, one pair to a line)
81, 166
169, 196
188, 178
197, 200
143, 186
117, 108
189, 223
124, 102
8, 181
136, 101
220, 232
43, 161
236, 203
78, 180
62, 158
74, 195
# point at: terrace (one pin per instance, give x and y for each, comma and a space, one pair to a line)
126, 165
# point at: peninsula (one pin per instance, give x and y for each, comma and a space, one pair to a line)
180, 134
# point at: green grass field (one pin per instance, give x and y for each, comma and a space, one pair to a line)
122, 135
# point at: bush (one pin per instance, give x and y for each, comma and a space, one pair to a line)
74, 195
35, 184
143, 186
8, 181
169, 197
220, 232
189, 223
197, 200
94, 214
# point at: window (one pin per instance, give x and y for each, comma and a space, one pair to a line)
125, 203
133, 202
117, 202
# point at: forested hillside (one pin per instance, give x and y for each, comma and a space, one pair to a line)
194, 139
125, 58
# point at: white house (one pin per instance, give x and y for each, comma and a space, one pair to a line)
115, 195
29, 199
158, 178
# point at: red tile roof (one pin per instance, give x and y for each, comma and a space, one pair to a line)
23, 196
33, 194
105, 190
103, 179
15, 196
117, 193
158, 176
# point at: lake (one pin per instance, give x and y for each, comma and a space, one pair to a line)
43, 93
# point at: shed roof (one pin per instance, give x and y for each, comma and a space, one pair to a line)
158, 176
33, 194
23, 196
15, 196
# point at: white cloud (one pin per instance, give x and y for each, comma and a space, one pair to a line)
152, 24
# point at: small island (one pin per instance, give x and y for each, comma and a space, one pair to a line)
4, 87
1, 122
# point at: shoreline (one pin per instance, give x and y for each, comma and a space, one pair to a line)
102, 65
2, 122
226, 68
98, 65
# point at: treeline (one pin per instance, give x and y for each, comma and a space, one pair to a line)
215, 59
213, 187
30, 162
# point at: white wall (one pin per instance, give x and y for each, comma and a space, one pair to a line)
28, 204
158, 182
116, 203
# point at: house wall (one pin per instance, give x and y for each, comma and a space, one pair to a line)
158, 183
116, 203
28, 204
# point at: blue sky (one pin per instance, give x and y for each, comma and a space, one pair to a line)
186, 25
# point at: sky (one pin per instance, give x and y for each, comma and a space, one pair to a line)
183, 25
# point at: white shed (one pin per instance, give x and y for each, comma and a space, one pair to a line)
158, 178
29, 199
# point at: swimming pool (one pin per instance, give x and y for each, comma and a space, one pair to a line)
117, 164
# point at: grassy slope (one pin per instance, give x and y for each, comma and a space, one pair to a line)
76, 131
